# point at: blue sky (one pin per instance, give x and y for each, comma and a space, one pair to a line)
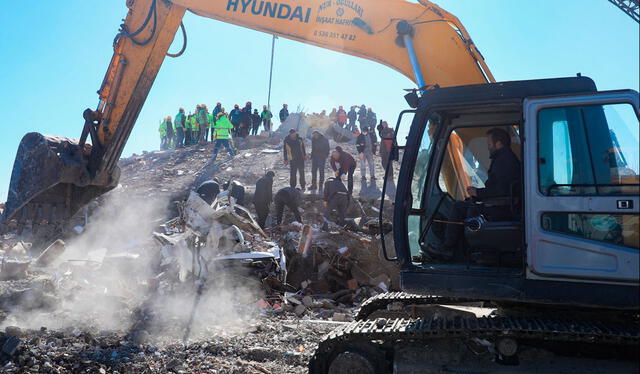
55, 53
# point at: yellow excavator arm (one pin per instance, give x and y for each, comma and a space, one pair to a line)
53, 177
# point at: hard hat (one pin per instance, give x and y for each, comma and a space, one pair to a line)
236, 106
218, 103
285, 104
248, 102
369, 108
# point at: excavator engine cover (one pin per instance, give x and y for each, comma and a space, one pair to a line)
50, 180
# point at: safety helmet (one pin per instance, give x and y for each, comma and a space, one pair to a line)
236, 106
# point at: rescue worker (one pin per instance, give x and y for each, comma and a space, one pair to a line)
386, 145
504, 171
362, 116
336, 197
209, 190
214, 114
352, 116
366, 145
266, 118
333, 116
320, 150
294, 155
284, 113
170, 133
222, 134
291, 198
256, 120
234, 117
195, 126
163, 134
245, 120
180, 127
236, 190
263, 197
346, 165
203, 123
187, 130
342, 116
372, 119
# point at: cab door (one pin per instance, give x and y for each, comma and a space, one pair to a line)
582, 180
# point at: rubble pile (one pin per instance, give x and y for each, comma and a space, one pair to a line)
151, 278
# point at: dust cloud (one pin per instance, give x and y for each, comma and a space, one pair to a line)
116, 277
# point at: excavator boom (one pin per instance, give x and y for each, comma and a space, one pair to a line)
54, 177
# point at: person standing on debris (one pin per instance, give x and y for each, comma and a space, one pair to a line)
236, 190
346, 165
266, 118
372, 119
290, 197
336, 197
366, 145
284, 113
294, 155
187, 130
320, 150
256, 120
263, 197
352, 116
163, 134
170, 133
342, 117
234, 117
386, 146
333, 116
180, 127
195, 126
222, 133
362, 116
245, 120
203, 123
209, 190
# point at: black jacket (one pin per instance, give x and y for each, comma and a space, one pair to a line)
288, 196
256, 119
333, 186
361, 142
503, 172
264, 191
237, 191
293, 149
284, 113
352, 115
320, 148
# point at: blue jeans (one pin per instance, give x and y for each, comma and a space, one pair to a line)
220, 143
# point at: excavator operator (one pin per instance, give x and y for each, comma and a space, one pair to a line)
503, 175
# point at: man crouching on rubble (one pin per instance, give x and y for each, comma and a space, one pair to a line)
292, 198
336, 197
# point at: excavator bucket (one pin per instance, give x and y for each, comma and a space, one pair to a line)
50, 181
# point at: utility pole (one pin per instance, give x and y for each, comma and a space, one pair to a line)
273, 47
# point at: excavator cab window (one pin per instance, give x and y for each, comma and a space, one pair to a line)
462, 161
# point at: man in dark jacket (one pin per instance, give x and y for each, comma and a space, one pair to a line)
294, 155
237, 191
263, 197
372, 119
362, 117
290, 197
319, 153
336, 197
346, 165
234, 117
284, 113
386, 145
504, 172
245, 120
366, 144
256, 120
352, 116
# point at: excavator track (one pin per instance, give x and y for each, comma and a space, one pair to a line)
383, 334
381, 301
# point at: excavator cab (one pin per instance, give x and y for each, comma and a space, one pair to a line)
566, 231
